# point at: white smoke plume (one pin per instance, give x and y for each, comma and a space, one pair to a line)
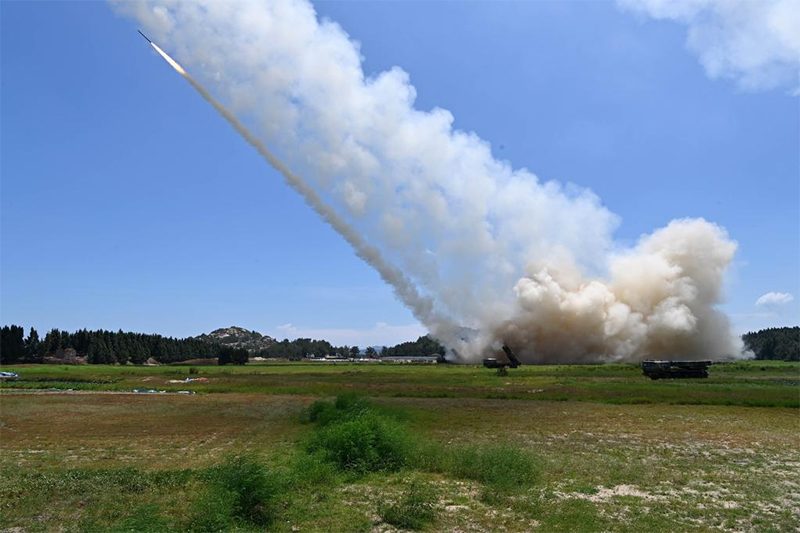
755, 42
658, 303
481, 252
403, 287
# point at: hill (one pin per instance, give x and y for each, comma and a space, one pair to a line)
236, 337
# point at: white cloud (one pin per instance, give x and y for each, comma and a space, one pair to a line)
755, 42
774, 298
381, 334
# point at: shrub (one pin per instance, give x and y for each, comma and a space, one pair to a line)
145, 518
321, 412
351, 403
252, 489
502, 468
365, 443
212, 511
309, 470
414, 510
345, 406
498, 465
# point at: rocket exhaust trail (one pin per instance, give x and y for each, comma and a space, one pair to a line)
404, 288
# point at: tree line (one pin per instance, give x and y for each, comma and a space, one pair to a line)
300, 348
422, 346
109, 347
774, 343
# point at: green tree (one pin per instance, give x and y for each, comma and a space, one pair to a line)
225, 355
240, 356
12, 344
52, 341
66, 340
32, 344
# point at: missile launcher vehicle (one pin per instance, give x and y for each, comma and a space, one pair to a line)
675, 369
513, 362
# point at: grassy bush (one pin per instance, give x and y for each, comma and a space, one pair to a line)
241, 489
365, 443
343, 407
502, 468
351, 403
356, 438
414, 510
310, 470
213, 511
145, 518
321, 412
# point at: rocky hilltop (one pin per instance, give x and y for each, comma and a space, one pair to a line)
237, 337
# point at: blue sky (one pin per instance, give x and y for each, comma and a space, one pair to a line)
128, 203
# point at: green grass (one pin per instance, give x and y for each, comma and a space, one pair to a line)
601, 449
502, 469
242, 492
748, 383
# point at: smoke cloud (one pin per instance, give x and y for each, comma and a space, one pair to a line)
755, 42
481, 252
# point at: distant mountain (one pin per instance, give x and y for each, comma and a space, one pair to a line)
237, 337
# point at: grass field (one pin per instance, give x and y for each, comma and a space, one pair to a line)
551, 448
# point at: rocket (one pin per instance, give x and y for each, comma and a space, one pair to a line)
174, 64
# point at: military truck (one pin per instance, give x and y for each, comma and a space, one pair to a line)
492, 362
675, 369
